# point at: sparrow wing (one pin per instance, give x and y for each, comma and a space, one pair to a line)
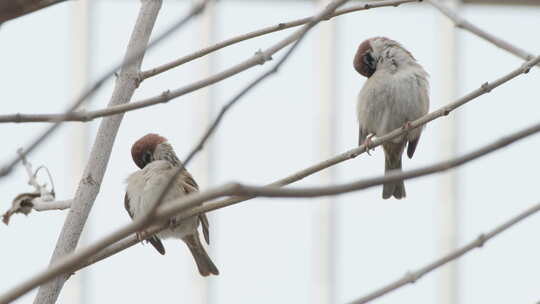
154, 240
205, 227
191, 183
361, 136
411, 147
190, 186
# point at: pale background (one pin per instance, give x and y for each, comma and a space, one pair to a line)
280, 250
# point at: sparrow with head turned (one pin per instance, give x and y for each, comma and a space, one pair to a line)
395, 93
158, 163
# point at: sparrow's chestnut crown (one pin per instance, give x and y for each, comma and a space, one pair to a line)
363, 62
143, 149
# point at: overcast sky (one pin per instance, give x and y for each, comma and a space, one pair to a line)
267, 250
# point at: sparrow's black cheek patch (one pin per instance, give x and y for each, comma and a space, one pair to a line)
358, 62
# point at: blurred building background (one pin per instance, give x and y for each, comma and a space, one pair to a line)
327, 250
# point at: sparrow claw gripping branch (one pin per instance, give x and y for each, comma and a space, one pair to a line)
367, 144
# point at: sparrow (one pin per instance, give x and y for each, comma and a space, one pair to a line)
395, 93
158, 163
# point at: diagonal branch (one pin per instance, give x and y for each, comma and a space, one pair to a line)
267, 30
76, 260
68, 263
297, 37
258, 59
125, 243
12, 9
412, 277
87, 93
93, 174
461, 23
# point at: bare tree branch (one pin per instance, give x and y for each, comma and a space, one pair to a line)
194, 11
40, 205
89, 185
466, 25
182, 206
192, 201
297, 37
40, 199
26, 202
300, 34
57, 268
267, 30
412, 277
258, 59
69, 262
188, 204
11, 9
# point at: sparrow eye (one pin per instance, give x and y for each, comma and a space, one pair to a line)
147, 157
369, 60
369, 64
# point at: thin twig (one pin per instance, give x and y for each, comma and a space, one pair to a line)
297, 37
267, 30
300, 34
460, 22
59, 118
128, 242
258, 59
182, 207
41, 205
412, 277
69, 262
41, 199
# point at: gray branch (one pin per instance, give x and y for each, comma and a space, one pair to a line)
186, 205
485, 88
258, 59
11, 9
183, 205
180, 206
412, 277
461, 23
8, 167
89, 185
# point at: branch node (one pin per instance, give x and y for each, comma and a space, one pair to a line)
411, 277
481, 240
446, 111
89, 180
84, 116
137, 78
262, 56
459, 24
485, 87
353, 154
166, 95
235, 188
526, 67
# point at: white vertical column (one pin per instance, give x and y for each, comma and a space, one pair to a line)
323, 275
448, 278
203, 108
78, 136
